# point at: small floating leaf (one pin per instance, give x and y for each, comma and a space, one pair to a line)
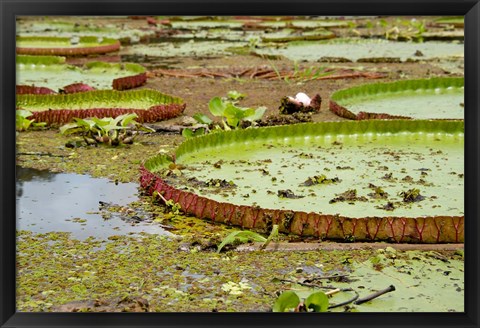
242, 237
318, 302
286, 301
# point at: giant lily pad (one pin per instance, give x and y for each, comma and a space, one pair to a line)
149, 105
365, 50
260, 22
69, 27
456, 21
57, 46
394, 180
192, 47
436, 98
52, 72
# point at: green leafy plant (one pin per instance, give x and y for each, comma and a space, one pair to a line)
289, 300
112, 131
23, 123
189, 133
201, 119
235, 95
231, 114
246, 236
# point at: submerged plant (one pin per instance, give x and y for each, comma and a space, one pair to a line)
112, 131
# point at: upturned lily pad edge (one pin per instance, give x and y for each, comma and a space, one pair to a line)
137, 78
162, 106
105, 45
336, 107
424, 229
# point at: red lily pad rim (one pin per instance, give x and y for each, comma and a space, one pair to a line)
424, 229
337, 97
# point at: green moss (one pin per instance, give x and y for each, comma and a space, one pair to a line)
54, 269
46, 150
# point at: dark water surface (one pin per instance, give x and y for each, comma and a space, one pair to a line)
66, 202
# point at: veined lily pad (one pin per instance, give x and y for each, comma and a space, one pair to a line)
66, 28
456, 21
74, 46
149, 105
288, 35
52, 72
436, 98
365, 50
261, 22
394, 180
210, 48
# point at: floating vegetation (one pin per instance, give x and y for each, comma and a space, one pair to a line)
149, 105
37, 74
74, 46
89, 26
364, 50
436, 98
315, 208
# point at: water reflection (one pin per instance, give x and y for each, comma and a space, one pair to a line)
47, 201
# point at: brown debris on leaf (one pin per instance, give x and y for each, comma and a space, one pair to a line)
287, 194
286, 119
348, 196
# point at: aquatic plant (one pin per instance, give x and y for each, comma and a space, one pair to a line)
289, 301
65, 46
311, 213
43, 74
435, 98
107, 130
23, 123
246, 236
232, 115
30, 89
150, 105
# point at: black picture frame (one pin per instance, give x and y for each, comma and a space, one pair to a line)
470, 9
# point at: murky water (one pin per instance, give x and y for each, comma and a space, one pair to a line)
47, 201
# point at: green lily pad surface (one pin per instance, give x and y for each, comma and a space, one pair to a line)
359, 49
65, 46
369, 169
422, 281
437, 98
456, 21
272, 22
48, 26
259, 168
135, 99
149, 105
53, 73
181, 49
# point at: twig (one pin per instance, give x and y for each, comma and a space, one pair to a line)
370, 297
353, 299
333, 291
40, 154
329, 277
